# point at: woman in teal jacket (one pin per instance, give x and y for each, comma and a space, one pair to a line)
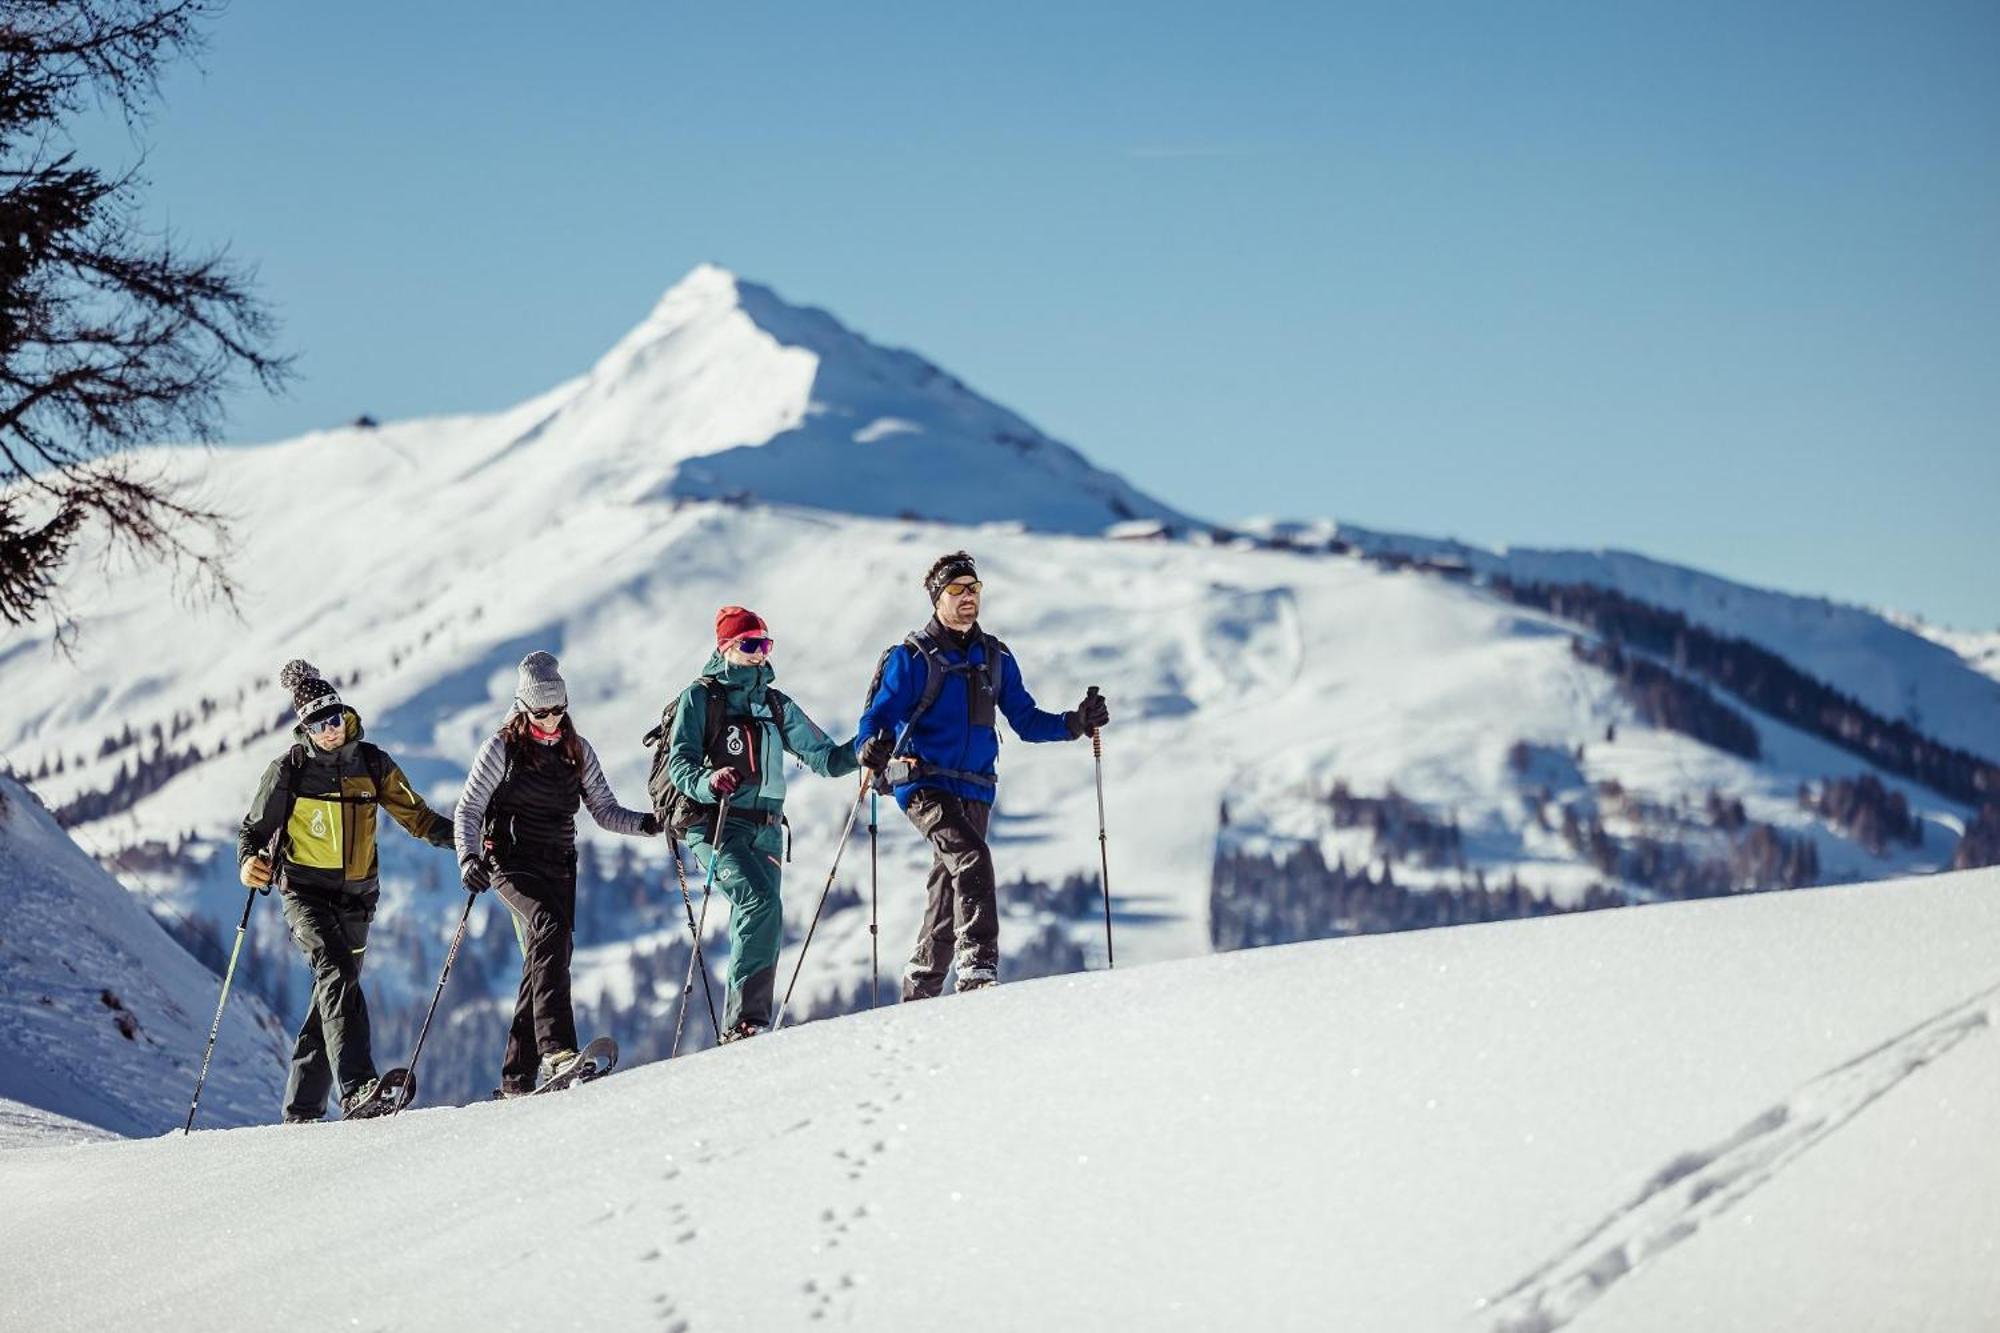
742, 756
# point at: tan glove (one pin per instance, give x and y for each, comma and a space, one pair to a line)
255, 873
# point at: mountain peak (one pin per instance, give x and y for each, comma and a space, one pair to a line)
726, 390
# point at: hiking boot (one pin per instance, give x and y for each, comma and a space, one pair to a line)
742, 1030
976, 978
504, 1093
291, 1119
555, 1065
360, 1095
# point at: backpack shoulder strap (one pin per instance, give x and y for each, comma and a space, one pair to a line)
778, 702
934, 672
288, 781
376, 761
996, 655
875, 684
717, 704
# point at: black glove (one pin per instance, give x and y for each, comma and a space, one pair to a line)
874, 752
649, 825
1093, 714
724, 781
475, 874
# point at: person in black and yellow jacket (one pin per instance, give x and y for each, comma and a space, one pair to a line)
315, 808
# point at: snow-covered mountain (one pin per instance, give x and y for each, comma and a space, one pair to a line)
103, 1017
1738, 1117
1897, 668
1413, 729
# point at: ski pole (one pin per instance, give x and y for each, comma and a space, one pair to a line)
215, 1029
450, 955
1103, 846
846, 830
874, 934
687, 988
272, 851
714, 857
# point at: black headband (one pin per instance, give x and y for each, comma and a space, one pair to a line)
957, 569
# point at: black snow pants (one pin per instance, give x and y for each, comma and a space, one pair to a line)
542, 896
961, 918
331, 930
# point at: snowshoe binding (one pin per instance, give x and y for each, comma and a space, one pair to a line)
566, 1070
380, 1096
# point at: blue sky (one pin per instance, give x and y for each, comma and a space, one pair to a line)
1719, 283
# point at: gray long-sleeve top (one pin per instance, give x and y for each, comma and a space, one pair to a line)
491, 765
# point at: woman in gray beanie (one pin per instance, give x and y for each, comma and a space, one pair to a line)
515, 829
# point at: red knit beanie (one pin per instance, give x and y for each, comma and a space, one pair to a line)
733, 622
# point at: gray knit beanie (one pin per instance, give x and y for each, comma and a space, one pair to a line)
540, 685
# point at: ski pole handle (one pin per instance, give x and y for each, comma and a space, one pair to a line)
1096, 741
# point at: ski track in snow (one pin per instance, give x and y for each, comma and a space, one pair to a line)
1699, 1186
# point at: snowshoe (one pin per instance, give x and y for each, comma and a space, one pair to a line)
593, 1061
742, 1030
978, 978
381, 1096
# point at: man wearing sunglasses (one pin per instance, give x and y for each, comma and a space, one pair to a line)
930, 725
731, 732
319, 799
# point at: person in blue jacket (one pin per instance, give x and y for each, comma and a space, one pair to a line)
930, 734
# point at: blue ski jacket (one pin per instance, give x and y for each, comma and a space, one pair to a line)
948, 736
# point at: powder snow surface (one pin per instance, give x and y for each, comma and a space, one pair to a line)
103, 1017
1751, 1114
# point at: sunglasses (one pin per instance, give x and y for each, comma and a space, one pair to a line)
542, 714
963, 588
328, 723
754, 645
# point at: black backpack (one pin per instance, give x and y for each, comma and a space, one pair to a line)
980, 703
982, 697
676, 812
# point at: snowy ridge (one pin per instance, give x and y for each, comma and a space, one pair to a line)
1376, 1133
1938, 682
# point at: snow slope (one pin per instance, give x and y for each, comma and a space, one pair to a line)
103, 1017
1747, 1114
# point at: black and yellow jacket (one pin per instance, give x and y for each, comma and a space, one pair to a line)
329, 839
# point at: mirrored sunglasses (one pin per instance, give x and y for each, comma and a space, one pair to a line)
753, 644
